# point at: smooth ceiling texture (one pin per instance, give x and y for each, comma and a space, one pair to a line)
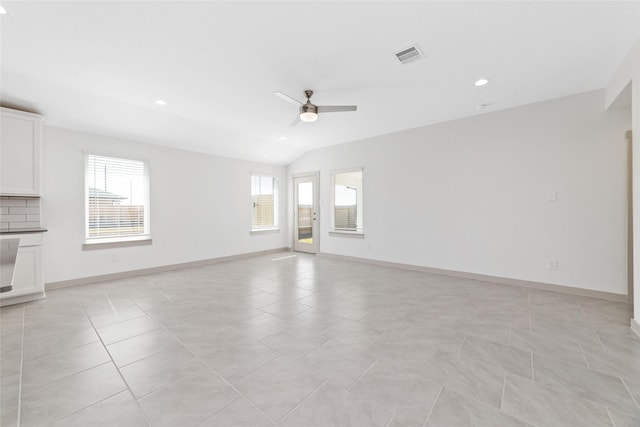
99, 66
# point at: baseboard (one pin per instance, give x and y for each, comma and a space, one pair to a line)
451, 273
635, 327
133, 273
21, 299
487, 278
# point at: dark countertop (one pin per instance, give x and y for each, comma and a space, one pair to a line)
24, 231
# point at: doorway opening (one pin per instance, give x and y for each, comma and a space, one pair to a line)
305, 213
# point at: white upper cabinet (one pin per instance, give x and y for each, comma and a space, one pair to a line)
20, 145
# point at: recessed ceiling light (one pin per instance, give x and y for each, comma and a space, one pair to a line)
3, 11
283, 138
481, 82
161, 102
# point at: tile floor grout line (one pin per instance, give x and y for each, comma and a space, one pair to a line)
584, 356
282, 418
310, 351
90, 406
571, 393
144, 415
433, 406
581, 308
613, 423
568, 317
376, 340
138, 360
248, 373
116, 323
218, 411
239, 392
626, 386
75, 373
532, 370
504, 386
362, 374
71, 347
244, 334
214, 371
129, 337
600, 339
464, 340
575, 364
163, 293
113, 309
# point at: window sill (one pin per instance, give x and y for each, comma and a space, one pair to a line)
349, 233
110, 244
264, 231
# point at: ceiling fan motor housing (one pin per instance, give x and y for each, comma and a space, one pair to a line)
308, 108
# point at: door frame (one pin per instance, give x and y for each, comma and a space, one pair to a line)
314, 177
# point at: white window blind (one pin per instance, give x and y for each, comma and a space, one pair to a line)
117, 196
264, 202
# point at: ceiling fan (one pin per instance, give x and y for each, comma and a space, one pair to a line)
309, 112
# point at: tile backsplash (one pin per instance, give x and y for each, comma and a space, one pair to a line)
19, 213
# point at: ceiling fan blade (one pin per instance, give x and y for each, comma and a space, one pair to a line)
288, 98
295, 121
336, 108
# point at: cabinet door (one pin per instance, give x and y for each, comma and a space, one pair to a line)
26, 276
19, 155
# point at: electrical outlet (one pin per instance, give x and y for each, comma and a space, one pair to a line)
551, 196
552, 264
114, 256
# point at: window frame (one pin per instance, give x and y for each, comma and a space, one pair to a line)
276, 201
91, 243
358, 231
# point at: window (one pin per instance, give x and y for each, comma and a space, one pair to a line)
117, 199
346, 209
264, 202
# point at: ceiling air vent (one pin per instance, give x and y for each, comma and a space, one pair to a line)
410, 54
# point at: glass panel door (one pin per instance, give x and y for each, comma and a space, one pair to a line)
306, 213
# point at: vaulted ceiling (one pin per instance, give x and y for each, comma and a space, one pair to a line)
99, 67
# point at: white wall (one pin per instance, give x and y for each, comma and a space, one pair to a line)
200, 207
629, 74
470, 195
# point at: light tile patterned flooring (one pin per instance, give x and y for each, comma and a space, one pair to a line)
302, 341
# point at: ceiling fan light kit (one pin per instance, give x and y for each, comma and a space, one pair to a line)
309, 112
308, 116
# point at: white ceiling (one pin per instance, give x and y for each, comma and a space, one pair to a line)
99, 66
